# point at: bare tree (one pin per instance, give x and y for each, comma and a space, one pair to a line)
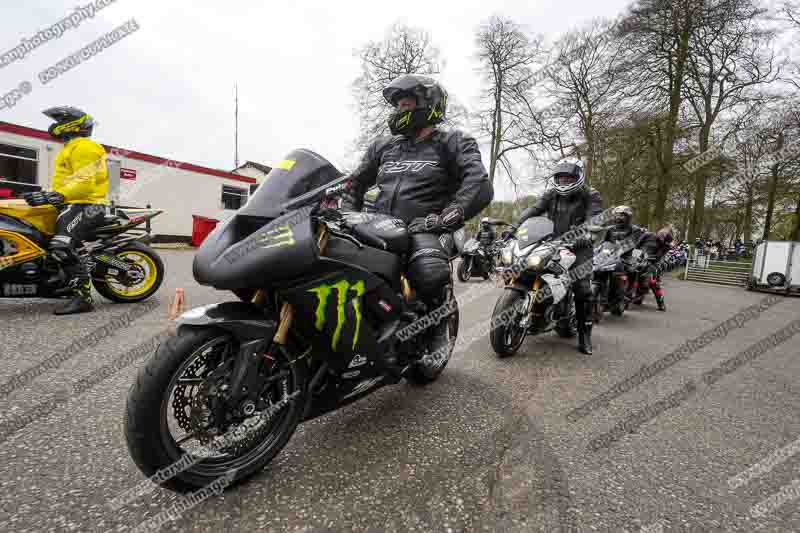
583, 76
506, 55
657, 43
731, 58
404, 50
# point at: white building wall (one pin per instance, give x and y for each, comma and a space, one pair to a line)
179, 192
46, 152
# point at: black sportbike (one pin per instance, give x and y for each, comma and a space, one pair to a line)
322, 297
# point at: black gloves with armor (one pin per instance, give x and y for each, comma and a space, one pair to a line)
451, 219
43, 198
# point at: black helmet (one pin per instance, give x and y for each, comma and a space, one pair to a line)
665, 235
71, 122
431, 105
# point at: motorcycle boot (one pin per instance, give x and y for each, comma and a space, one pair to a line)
660, 300
583, 312
81, 289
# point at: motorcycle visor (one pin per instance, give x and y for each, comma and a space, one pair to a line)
565, 179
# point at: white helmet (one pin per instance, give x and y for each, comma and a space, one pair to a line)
568, 176
620, 212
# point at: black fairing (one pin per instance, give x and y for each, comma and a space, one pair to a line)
258, 246
334, 312
302, 171
26, 230
235, 257
244, 320
379, 231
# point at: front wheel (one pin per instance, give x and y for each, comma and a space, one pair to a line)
178, 424
464, 270
506, 333
141, 283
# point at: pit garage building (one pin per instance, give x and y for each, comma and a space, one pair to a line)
137, 180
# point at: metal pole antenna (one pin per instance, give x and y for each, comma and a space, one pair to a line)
236, 127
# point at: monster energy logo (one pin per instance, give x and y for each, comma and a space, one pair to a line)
280, 236
342, 287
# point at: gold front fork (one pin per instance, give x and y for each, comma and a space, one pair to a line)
287, 311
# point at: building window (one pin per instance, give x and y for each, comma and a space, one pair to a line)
18, 164
233, 197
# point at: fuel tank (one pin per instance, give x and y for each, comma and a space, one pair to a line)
42, 217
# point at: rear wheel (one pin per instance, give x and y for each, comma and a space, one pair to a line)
507, 334
431, 366
145, 278
175, 415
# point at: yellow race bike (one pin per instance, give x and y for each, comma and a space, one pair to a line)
122, 267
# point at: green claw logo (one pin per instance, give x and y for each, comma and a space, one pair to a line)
342, 287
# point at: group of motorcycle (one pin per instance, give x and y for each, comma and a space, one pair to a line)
321, 300
538, 297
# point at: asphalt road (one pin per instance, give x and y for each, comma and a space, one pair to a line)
488, 447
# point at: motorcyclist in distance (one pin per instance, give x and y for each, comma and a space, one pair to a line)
569, 205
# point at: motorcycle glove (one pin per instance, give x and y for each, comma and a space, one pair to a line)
38, 198
451, 219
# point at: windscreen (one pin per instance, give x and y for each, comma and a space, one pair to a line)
301, 171
534, 230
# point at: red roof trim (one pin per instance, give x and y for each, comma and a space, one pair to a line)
39, 134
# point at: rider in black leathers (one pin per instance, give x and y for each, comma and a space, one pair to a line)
434, 180
486, 234
627, 235
656, 247
569, 204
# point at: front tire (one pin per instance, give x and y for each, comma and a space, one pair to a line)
464, 270
146, 424
506, 336
147, 261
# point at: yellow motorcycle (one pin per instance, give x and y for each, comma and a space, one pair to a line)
122, 267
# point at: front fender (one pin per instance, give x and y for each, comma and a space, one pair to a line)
243, 320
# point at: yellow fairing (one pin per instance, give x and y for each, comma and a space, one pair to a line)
42, 217
26, 249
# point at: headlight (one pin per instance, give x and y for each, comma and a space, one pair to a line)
534, 262
507, 256
538, 260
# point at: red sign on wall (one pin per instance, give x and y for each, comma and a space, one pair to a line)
127, 174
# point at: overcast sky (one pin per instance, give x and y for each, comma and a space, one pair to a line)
167, 89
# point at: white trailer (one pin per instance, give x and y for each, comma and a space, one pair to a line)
776, 266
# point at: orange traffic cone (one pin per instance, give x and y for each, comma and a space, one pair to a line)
178, 305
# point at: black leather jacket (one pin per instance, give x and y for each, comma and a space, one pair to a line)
633, 234
652, 246
564, 211
418, 179
486, 237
